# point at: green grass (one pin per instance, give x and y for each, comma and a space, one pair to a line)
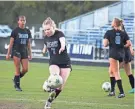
82, 91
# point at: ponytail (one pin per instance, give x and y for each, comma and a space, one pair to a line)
122, 25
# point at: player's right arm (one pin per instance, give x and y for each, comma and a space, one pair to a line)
131, 49
9, 48
127, 40
105, 42
44, 49
106, 39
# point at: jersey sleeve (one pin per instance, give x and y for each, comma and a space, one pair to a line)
61, 34
106, 36
126, 37
13, 34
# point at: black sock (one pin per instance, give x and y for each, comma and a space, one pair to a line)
21, 74
17, 81
57, 92
119, 83
113, 82
131, 80
50, 100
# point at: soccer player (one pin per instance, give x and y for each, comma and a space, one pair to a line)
21, 50
59, 63
117, 40
129, 52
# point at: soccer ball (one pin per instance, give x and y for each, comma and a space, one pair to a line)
46, 88
106, 86
55, 81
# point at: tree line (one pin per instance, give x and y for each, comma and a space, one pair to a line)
37, 11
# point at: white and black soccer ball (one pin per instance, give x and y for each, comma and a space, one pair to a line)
45, 86
55, 81
106, 86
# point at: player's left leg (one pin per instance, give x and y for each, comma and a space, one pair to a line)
24, 63
16, 79
113, 82
54, 69
112, 79
115, 69
64, 73
127, 67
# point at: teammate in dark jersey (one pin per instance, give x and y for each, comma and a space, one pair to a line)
21, 50
129, 52
117, 41
59, 62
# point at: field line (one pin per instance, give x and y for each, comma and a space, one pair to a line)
67, 102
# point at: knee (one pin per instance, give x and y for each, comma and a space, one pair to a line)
117, 77
128, 72
111, 73
25, 70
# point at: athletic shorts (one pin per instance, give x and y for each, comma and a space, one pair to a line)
117, 55
21, 55
128, 57
119, 58
63, 66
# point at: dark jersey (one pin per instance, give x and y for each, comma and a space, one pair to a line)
53, 45
117, 39
128, 56
21, 37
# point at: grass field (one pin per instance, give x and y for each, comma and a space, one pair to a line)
82, 91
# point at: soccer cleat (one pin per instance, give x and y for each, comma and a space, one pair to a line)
15, 86
14, 83
18, 89
132, 90
122, 95
47, 105
111, 94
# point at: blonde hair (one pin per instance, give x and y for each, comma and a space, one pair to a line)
49, 21
122, 28
119, 23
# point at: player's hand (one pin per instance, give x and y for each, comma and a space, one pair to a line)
44, 52
132, 52
30, 57
7, 57
61, 49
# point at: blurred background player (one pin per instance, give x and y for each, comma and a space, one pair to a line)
59, 63
21, 50
129, 53
117, 40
